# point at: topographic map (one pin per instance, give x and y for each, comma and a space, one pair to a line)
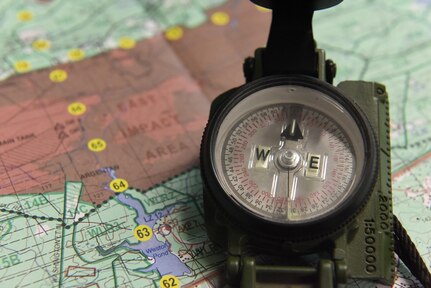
102, 108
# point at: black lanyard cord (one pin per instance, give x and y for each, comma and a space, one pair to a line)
407, 251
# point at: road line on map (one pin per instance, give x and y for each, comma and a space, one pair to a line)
41, 226
415, 162
55, 208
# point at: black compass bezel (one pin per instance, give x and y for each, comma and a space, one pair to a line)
240, 217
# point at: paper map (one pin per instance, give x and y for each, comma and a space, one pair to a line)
105, 96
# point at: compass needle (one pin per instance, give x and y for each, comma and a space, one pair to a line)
274, 185
292, 186
289, 195
292, 130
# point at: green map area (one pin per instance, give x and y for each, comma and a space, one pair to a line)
86, 245
388, 42
93, 26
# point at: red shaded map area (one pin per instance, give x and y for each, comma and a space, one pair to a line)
150, 114
149, 104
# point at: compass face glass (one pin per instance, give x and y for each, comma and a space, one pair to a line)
288, 154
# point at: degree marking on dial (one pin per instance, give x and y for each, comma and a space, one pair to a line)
310, 119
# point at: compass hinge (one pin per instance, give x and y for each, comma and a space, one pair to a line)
245, 270
291, 48
253, 66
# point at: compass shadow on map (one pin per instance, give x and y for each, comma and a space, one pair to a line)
158, 253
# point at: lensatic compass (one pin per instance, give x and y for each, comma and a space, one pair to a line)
296, 171
291, 153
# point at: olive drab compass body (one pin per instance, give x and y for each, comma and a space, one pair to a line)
296, 171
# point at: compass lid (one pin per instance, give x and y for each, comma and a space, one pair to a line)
316, 4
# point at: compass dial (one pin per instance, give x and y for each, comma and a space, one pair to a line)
289, 154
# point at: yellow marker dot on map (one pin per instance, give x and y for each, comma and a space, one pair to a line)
119, 185
170, 281
24, 16
143, 233
76, 54
76, 108
22, 66
58, 75
127, 43
174, 33
96, 145
262, 9
220, 18
41, 45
